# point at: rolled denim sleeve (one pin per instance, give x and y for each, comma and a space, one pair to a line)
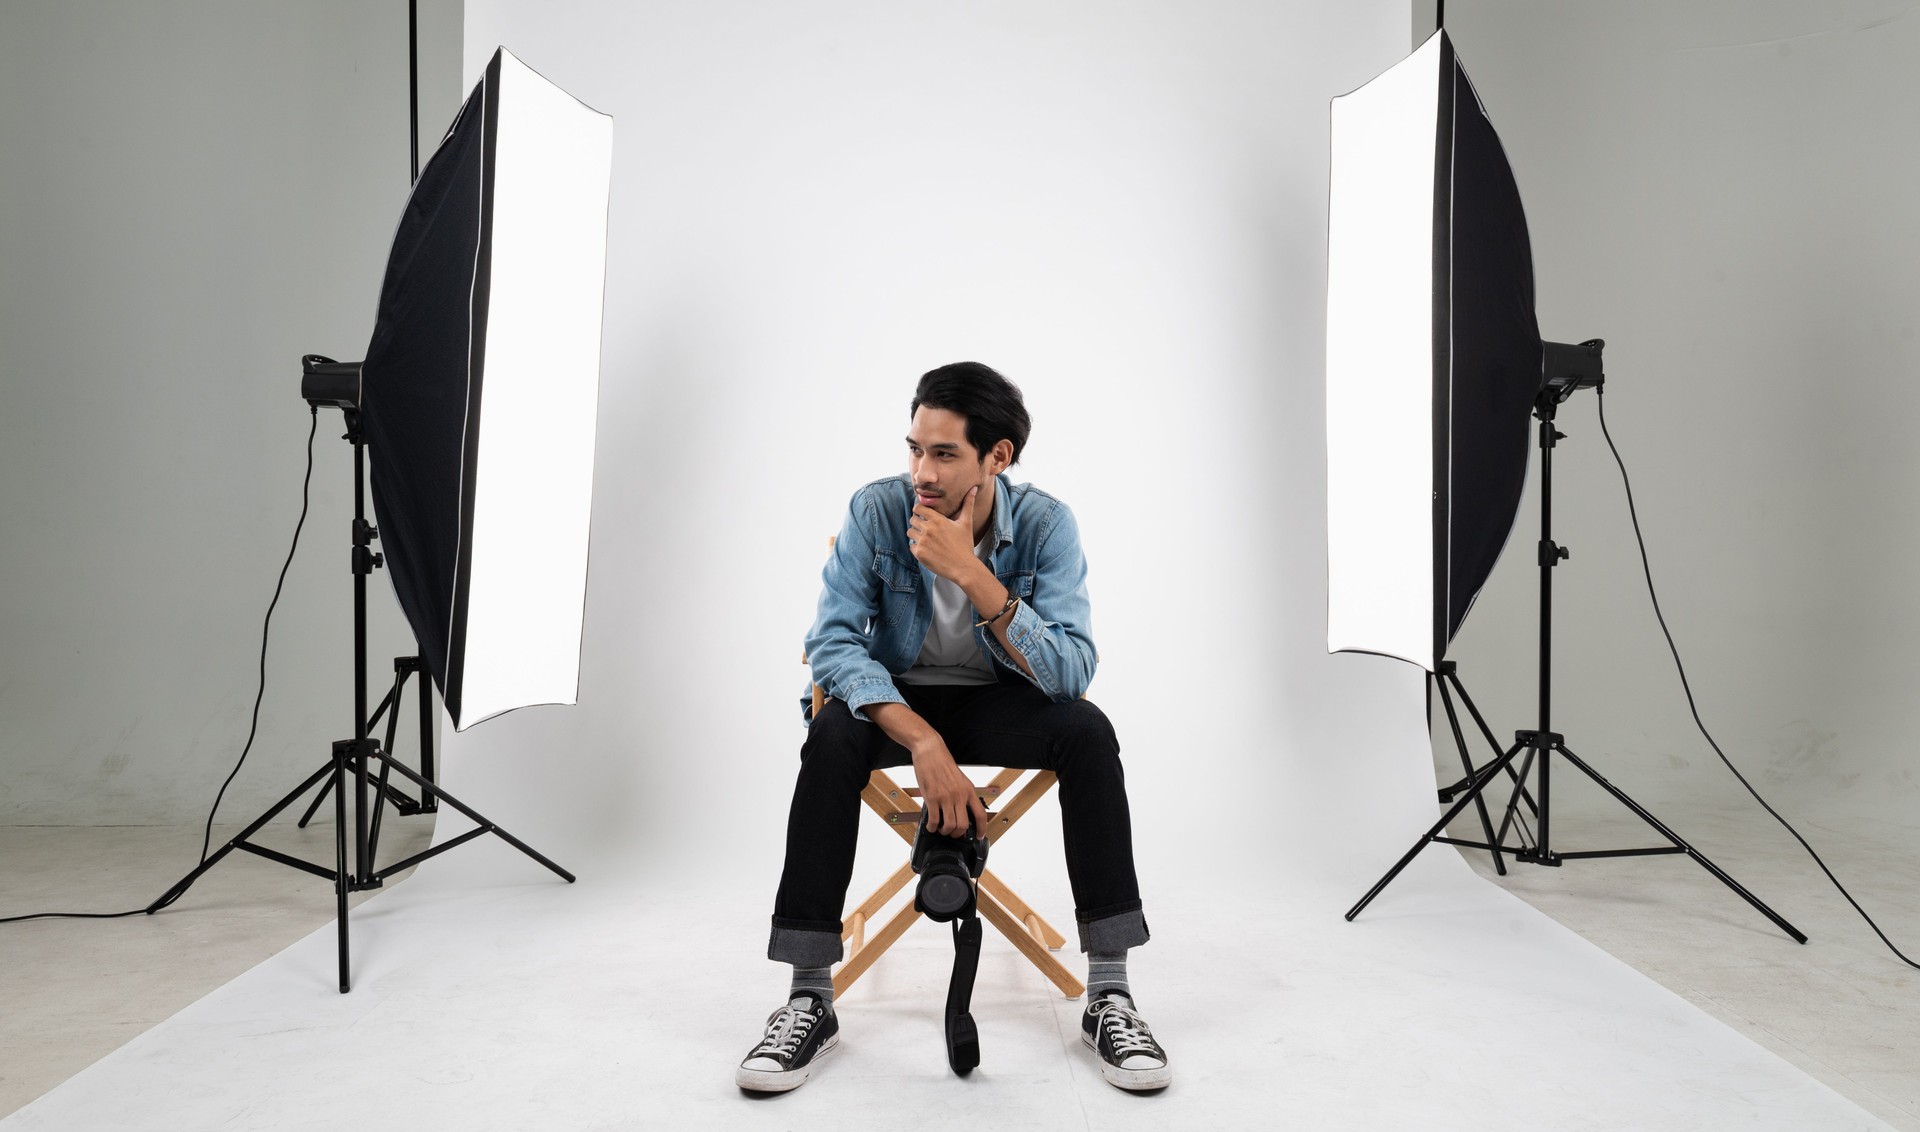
849, 601
1052, 627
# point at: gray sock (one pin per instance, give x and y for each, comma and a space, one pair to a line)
816, 981
1107, 974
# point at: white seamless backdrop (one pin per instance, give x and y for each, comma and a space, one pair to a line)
1123, 206
1120, 206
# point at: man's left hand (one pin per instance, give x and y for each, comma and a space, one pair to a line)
943, 545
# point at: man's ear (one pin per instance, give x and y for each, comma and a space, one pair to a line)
1000, 457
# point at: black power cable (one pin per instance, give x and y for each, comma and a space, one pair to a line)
1632, 513
207, 841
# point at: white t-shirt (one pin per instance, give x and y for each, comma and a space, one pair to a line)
950, 654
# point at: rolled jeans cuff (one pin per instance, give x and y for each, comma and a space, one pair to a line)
804, 943
1115, 928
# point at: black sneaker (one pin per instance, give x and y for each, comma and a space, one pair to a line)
798, 1034
1129, 1057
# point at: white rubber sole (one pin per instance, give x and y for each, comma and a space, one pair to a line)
1133, 1080
764, 1081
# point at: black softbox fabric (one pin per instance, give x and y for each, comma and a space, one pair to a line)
479, 392
1487, 361
416, 376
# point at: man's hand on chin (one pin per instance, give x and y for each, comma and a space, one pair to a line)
943, 545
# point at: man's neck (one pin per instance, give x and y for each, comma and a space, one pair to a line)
983, 520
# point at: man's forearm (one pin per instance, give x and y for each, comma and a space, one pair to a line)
990, 597
904, 726
947, 795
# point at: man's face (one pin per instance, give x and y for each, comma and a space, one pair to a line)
942, 465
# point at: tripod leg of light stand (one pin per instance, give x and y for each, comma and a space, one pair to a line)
362, 813
485, 827
379, 810
320, 798
1519, 780
393, 794
1513, 801
1486, 776
1479, 803
383, 790
314, 808
1641, 812
428, 804
238, 842
402, 667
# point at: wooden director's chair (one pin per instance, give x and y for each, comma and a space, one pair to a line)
999, 905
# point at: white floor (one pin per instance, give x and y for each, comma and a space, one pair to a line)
491, 996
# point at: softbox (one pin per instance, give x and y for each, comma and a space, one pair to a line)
1433, 357
479, 393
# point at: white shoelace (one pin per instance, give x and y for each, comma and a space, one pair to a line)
788, 1027
1127, 1031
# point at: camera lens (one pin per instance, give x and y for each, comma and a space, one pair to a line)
943, 894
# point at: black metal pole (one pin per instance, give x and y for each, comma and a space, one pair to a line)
1549, 557
341, 879
429, 803
363, 534
413, 87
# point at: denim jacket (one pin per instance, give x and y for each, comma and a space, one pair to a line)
876, 600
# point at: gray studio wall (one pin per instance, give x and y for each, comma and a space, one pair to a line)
192, 195
1121, 205
1725, 192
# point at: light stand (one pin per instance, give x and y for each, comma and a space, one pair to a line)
1438, 682
404, 669
1568, 369
327, 383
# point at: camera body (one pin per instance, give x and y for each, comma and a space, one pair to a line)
947, 866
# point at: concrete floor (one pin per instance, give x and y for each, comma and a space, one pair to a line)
76, 990
1842, 1007
1838, 1007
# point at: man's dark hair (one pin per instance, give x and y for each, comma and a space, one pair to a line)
992, 404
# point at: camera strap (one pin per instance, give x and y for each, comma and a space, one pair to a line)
963, 1037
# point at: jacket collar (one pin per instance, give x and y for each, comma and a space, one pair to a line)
1002, 512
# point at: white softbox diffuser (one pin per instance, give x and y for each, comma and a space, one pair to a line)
1433, 357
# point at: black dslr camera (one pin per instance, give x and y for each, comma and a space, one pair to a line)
948, 866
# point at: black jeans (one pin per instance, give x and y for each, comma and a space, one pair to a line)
1006, 724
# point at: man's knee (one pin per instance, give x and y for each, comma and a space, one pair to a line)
837, 743
1087, 735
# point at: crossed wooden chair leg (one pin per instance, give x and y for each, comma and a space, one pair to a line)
1032, 936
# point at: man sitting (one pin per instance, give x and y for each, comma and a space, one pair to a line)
953, 628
